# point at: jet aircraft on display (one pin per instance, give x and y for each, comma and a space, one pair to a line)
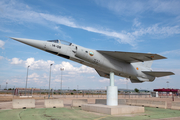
135, 66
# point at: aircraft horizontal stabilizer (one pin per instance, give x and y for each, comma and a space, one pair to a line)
158, 73
131, 57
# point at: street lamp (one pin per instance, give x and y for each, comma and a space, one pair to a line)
26, 79
6, 85
61, 77
49, 80
167, 84
127, 83
77, 91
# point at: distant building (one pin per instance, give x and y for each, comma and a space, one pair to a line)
23, 89
167, 92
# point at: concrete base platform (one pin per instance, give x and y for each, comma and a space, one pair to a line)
23, 103
112, 110
53, 103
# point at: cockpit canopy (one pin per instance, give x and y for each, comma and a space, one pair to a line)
61, 42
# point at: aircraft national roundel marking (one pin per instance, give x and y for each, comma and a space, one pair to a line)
91, 53
137, 68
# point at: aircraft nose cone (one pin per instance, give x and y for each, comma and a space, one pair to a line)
17, 39
34, 43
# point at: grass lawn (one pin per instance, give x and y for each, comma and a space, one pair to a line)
78, 114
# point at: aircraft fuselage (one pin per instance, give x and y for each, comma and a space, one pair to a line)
136, 66
98, 61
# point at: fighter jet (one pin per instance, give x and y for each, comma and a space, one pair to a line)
135, 66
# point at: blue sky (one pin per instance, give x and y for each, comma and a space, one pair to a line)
135, 26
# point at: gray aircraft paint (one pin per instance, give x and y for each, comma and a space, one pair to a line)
136, 66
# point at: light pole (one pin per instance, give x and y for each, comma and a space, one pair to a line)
167, 84
77, 91
61, 78
127, 83
49, 80
26, 79
6, 85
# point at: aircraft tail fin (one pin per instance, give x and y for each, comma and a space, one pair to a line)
148, 64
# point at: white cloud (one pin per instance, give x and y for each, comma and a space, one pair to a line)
71, 69
68, 21
136, 23
45, 76
124, 7
92, 77
34, 75
171, 7
16, 61
177, 72
171, 52
2, 44
122, 81
39, 64
19, 12
130, 7
85, 69
45, 65
121, 37
58, 80
137, 7
1, 57
156, 30
16, 12
5, 30
104, 80
167, 77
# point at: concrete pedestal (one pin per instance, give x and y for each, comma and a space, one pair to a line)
112, 110
112, 96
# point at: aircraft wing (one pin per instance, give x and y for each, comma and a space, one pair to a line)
158, 73
131, 57
102, 74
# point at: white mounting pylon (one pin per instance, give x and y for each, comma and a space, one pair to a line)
112, 92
